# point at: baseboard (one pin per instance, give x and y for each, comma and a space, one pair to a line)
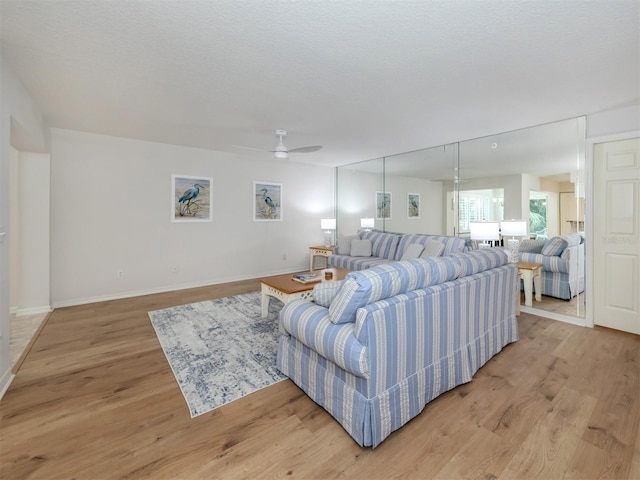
23, 312
5, 382
581, 322
169, 288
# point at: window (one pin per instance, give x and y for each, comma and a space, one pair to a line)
480, 206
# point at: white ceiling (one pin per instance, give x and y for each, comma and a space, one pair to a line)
364, 79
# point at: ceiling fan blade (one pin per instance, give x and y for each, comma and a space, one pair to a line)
251, 148
314, 148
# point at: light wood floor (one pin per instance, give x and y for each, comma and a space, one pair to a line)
96, 399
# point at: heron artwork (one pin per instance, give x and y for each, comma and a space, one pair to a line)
190, 200
268, 201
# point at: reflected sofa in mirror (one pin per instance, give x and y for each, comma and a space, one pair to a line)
534, 174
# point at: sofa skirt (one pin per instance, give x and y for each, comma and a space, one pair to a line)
370, 418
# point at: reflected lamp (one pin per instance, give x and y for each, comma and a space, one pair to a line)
513, 228
328, 225
367, 223
484, 232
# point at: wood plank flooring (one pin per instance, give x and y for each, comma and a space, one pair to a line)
96, 399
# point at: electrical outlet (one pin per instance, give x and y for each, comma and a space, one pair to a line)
284, 257
120, 273
174, 269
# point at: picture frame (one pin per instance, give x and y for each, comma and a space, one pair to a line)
383, 205
191, 198
267, 201
413, 205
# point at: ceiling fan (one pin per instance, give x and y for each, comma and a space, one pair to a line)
281, 150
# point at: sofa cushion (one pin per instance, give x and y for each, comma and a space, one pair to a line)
531, 246
413, 251
360, 248
386, 280
325, 292
383, 245
432, 248
344, 244
451, 244
475, 261
554, 246
354, 263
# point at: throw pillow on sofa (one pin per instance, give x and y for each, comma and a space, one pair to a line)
344, 244
360, 248
325, 292
554, 247
432, 248
413, 251
531, 246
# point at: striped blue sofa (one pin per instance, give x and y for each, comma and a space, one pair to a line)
562, 260
388, 247
376, 347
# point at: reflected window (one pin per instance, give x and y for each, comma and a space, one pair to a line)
538, 214
480, 206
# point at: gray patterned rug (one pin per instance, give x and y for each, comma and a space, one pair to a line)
221, 349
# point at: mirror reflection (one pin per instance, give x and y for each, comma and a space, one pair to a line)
534, 175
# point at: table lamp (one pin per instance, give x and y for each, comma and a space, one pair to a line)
484, 231
513, 228
367, 223
328, 225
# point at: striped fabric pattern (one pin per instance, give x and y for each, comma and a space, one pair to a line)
386, 280
310, 324
325, 292
476, 261
554, 246
383, 245
419, 344
451, 244
550, 264
354, 263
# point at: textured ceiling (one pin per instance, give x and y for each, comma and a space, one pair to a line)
362, 78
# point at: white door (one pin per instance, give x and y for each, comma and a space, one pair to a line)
616, 235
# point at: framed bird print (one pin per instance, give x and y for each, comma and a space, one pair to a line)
267, 202
413, 205
191, 198
383, 205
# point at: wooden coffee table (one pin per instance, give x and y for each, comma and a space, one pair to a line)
285, 289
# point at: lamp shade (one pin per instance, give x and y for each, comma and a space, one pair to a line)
328, 223
367, 222
485, 230
513, 228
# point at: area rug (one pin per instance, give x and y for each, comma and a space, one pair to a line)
220, 350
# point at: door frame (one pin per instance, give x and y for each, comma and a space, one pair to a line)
588, 214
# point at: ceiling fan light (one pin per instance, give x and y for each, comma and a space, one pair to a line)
279, 154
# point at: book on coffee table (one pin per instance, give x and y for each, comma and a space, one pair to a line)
306, 277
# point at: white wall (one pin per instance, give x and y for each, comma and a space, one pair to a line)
431, 205
111, 210
34, 192
17, 111
14, 228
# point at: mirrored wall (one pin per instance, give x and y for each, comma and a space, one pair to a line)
534, 174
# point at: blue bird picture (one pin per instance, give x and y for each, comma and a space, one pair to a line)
191, 198
267, 201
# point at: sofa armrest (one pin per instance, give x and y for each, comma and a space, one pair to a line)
549, 263
310, 325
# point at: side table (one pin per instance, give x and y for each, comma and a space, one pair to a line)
320, 251
531, 274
